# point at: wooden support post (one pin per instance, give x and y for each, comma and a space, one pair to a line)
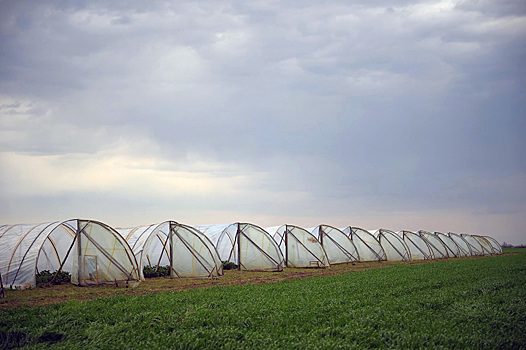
81, 280
238, 248
2, 293
287, 245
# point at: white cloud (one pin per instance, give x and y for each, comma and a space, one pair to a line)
265, 110
118, 170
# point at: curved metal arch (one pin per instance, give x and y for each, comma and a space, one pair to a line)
198, 256
164, 250
424, 234
381, 233
323, 249
345, 251
466, 253
68, 229
494, 244
20, 240
45, 230
10, 227
256, 245
130, 234
438, 235
233, 240
474, 250
150, 231
54, 249
353, 233
287, 231
117, 237
428, 255
218, 263
156, 231
235, 232
477, 237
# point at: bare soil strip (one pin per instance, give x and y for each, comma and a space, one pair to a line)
48, 295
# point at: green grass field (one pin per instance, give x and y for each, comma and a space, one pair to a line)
466, 303
513, 250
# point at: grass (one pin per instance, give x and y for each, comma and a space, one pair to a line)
513, 250
54, 294
464, 303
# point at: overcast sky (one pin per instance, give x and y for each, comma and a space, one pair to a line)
394, 114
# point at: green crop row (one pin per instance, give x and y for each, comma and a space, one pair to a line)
46, 277
158, 271
471, 303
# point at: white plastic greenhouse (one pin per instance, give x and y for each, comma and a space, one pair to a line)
463, 246
248, 246
338, 246
299, 247
474, 245
92, 252
188, 252
417, 246
393, 245
453, 251
497, 249
368, 247
438, 248
485, 244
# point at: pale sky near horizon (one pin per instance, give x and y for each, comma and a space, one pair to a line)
393, 114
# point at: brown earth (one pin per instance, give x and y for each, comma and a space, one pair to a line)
48, 295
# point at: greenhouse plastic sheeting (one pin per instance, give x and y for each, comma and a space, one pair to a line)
393, 245
368, 247
438, 248
187, 251
474, 245
485, 244
248, 246
417, 246
463, 246
338, 246
92, 252
452, 248
497, 249
299, 247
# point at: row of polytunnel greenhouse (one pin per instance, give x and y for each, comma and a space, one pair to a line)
95, 253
